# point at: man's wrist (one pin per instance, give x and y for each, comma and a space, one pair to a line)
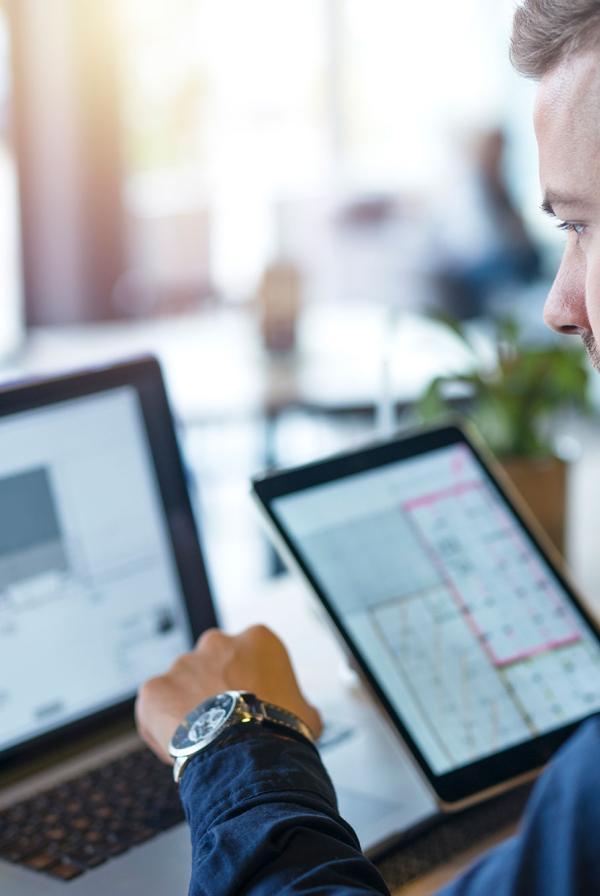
212, 719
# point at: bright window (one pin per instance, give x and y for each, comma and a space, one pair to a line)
233, 112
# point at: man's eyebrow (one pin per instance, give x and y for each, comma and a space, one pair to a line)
551, 199
546, 207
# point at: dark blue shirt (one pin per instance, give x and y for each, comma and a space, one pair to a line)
264, 821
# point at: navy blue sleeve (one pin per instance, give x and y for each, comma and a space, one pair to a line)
263, 818
556, 851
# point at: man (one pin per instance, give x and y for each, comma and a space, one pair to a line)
261, 809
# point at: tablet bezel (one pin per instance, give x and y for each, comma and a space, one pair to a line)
490, 772
144, 375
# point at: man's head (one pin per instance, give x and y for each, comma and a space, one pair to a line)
558, 43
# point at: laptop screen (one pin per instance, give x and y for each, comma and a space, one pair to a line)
463, 624
90, 599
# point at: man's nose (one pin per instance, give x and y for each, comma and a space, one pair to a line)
565, 310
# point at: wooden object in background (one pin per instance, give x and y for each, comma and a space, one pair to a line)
280, 299
543, 485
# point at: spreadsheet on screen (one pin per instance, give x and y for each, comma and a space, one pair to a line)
463, 623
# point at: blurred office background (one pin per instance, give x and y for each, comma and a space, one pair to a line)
273, 197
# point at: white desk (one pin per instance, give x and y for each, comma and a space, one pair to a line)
217, 368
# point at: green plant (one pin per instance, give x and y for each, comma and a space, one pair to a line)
514, 402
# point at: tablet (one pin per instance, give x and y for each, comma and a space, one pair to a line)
454, 610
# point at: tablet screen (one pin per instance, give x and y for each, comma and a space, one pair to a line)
464, 626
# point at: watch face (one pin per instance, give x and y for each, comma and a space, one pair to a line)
203, 724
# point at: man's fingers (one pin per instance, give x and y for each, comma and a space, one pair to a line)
260, 635
261, 640
212, 639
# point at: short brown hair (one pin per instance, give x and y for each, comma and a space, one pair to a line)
547, 31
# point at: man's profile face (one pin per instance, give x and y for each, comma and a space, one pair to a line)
567, 125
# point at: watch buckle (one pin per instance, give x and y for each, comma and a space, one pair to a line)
252, 709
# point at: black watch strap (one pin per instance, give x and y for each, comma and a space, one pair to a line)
276, 717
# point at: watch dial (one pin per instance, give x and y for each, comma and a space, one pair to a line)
203, 722
207, 723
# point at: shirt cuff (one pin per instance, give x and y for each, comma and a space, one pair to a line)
252, 762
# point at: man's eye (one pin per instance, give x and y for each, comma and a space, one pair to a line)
571, 227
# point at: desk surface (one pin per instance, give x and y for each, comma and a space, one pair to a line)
430, 883
338, 361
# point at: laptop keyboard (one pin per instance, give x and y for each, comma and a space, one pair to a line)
83, 822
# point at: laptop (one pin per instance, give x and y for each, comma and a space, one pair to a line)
102, 585
451, 605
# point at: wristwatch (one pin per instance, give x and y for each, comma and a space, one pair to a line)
210, 719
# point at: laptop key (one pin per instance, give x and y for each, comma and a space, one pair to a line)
40, 861
86, 855
65, 870
141, 835
56, 834
20, 848
115, 849
8, 833
94, 837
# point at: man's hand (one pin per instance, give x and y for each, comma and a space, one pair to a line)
254, 661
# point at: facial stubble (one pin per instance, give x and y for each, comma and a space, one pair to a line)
591, 347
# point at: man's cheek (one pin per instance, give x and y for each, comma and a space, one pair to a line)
592, 290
